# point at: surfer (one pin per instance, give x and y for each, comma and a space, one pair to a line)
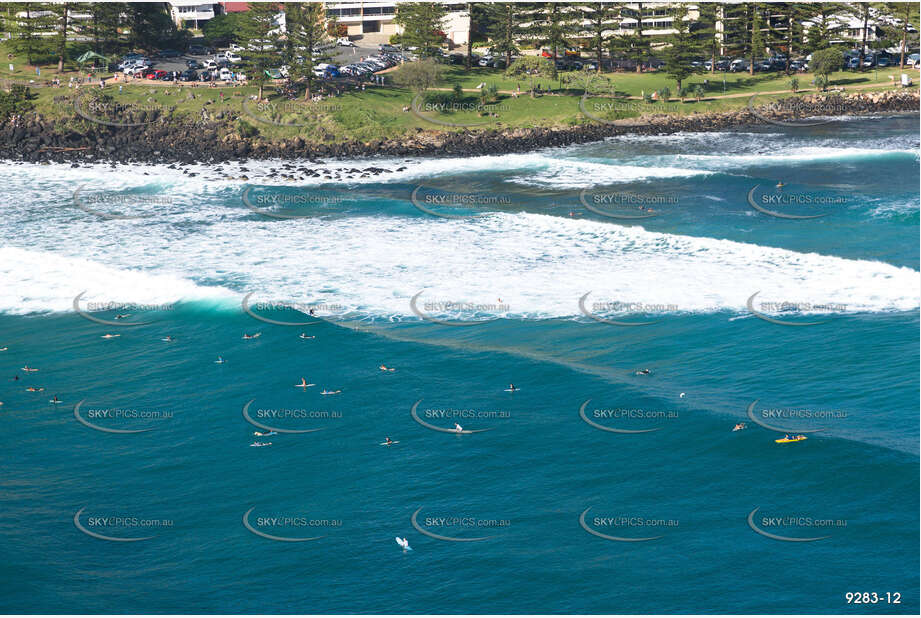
253, 336
303, 384
511, 387
122, 316
458, 428
326, 392
643, 372
305, 336
404, 543
780, 184
739, 427
4, 349
55, 400
168, 338
33, 389
110, 336
386, 368
29, 369
388, 441
265, 433
220, 360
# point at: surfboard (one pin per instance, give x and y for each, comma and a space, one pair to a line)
394, 442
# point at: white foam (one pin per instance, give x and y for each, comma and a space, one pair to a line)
539, 266
38, 281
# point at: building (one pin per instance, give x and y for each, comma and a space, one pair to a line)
192, 14
373, 21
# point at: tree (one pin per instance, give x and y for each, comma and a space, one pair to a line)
599, 16
259, 31
532, 67
706, 31
681, 49
223, 29
105, 19
906, 20
823, 20
26, 21
504, 27
150, 25
640, 44
861, 10
825, 62
62, 24
422, 24
419, 76
794, 16
307, 29
756, 43
558, 24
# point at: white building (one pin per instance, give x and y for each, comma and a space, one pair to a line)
190, 14
374, 20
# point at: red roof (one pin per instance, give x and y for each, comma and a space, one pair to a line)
235, 7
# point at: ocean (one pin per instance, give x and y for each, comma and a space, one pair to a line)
644, 295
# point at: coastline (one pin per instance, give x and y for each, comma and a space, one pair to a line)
34, 139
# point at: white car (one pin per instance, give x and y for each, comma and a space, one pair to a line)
136, 69
209, 64
233, 57
345, 42
236, 48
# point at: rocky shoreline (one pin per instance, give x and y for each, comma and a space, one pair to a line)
35, 139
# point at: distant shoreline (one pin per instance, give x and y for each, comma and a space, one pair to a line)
34, 139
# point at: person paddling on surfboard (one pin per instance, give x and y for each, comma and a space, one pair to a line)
458, 428
388, 441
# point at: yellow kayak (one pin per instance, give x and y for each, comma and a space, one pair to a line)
785, 440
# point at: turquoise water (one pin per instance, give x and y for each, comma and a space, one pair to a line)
358, 257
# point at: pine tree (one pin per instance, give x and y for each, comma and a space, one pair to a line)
307, 26
599, 17
681, 48
25, 21
504, 27
705, 31
63, 26
259, 34
422, 24
555, 26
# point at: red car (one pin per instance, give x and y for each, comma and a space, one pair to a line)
154, 74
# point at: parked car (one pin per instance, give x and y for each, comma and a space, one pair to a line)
205, 76
345, 41
388, 48
192, 64
136, 69
169, 53
853, 63
738, 65
233, 57
189, 75
170, 76
209, 64
153, 74
199, 50
236, 48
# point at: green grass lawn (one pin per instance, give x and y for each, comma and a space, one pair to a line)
379, 113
